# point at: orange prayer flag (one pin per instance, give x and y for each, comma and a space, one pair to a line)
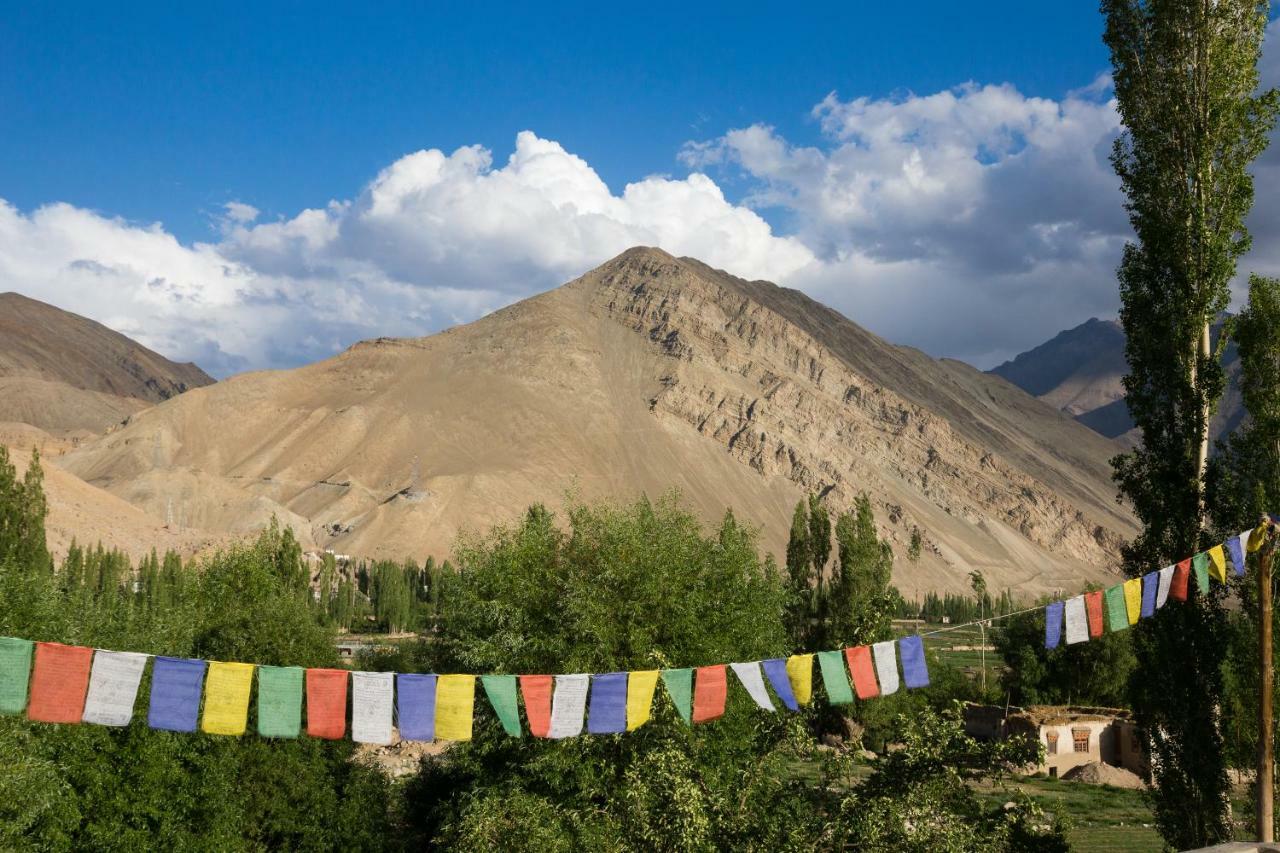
536, 690
863, 672
1178, 586
1093, 605
327, 703
709, 690
59, 683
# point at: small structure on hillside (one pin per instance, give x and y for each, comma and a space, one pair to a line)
1072, 736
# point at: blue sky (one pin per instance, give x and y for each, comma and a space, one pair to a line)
261, 185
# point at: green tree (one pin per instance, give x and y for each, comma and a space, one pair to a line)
1186, 82
22, 513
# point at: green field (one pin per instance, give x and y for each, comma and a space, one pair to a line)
1099, 817
960, 647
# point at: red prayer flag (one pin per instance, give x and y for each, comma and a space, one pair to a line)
59, 683
863, 671
327, 703
1178, 586
1093, 605
536, 690
709, 689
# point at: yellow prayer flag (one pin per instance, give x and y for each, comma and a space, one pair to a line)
640, 687
800, 672
455, 703
1133, 599
226, 698
1257, 538
1218, 563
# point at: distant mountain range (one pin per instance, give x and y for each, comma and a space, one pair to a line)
65, 373
1080, 371
648, 373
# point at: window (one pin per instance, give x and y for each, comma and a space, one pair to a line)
1051, 740
1080, 740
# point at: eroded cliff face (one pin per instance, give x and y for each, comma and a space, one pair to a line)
779, 401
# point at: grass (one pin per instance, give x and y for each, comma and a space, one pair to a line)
1099, 817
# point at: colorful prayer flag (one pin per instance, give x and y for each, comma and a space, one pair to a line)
1117, 613
59, 683
834, 679
226, 698
455, 706
1236, 546
15, 674
709, 690
373, 706
1166, 581
775, 669
536, 690
915, 671
501, 690
280, 701
751, 678
1077, 618
607, 714
862, 671
1053, 624
1200, 568
416, 706
113, 687
800, 672
569, 705
886, 659
1133, 599
679, 684
1150, 586
176, 684
1093, 606
327, 703
640, 687
1218, 563
1257, 537
1178, 584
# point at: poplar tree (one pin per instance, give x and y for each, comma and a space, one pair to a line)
1185, 75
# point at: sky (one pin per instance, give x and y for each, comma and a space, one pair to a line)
260, 186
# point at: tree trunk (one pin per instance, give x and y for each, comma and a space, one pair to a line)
1202, 457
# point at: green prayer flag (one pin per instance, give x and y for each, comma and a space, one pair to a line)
834, 678
1200, 563
279, 701
501, 690
1117, 612
679, 683
15, 673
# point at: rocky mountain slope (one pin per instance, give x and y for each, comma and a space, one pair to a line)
64, 373
646, 374
1081, 370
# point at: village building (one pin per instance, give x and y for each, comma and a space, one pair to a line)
1072, 736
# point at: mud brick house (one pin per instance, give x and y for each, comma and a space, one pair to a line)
1071, 735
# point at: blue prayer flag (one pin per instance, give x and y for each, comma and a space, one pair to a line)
607, 713
1235, 547
776, 671
1052, 624
1150, 586
176, 684
915, 670
416, 706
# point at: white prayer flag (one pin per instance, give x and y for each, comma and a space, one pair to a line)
1077, 620
1162, 591
372, 700
568, 705
752, 679
113, 687
886, 658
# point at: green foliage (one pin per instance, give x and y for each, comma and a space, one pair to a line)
1092, 673
920, 796
22, 512
1186, 87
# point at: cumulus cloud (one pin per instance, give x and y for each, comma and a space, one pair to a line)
974, 222
434, 239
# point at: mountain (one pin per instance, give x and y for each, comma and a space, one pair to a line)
1080, 371
62, 372
646, 374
